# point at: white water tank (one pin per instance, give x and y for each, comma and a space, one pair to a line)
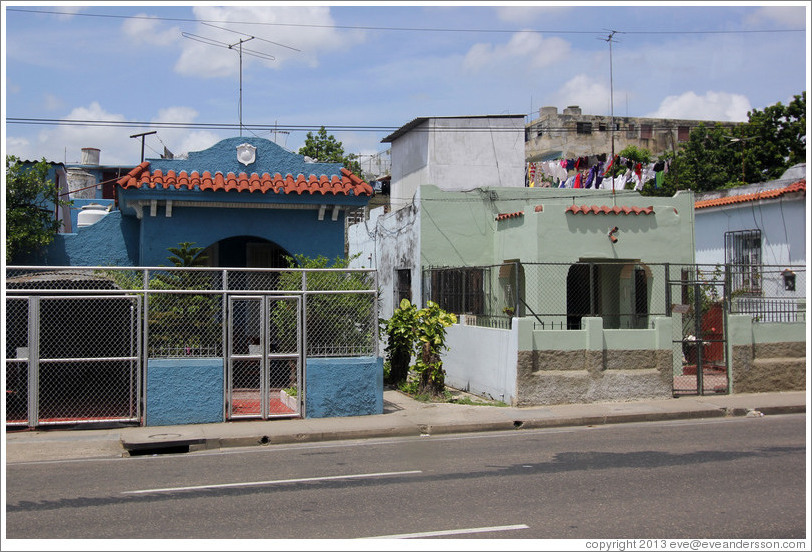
91, 214
90, 156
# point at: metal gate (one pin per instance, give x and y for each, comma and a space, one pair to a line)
700, 340
73, 359
264, 368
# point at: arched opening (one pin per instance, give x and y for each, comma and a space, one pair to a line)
246, 252
583, 293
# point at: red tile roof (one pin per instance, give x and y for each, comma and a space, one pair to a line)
799, 186
140, 177
604, 210
503, 216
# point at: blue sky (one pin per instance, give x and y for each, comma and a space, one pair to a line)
378, 65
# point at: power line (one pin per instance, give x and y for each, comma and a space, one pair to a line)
403, 29
276, 127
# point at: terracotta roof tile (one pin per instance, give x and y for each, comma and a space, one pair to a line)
346, 184
503, 216
605, 210
799, 186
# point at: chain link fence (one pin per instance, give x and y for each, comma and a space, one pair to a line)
77, 339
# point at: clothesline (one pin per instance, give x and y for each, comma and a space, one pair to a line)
591, 171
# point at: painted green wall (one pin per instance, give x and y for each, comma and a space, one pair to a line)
460, 228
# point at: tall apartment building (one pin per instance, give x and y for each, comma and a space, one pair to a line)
572, 134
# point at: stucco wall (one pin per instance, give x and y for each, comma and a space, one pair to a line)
112, 241
344, 387
593, 364
181, 391
766, 356
482, 361
783, 239
295, 230
460, 228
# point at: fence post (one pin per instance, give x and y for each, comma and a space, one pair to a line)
33, 360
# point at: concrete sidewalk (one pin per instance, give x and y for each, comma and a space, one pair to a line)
403, 416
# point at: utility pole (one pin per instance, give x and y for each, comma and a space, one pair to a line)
612, 101
143, 135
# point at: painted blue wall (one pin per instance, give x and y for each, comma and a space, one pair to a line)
184, 391
295, 230
112, 241
344, 387
222, 157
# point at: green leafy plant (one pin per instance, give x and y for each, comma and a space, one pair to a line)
420, 333
30, 202
401, 334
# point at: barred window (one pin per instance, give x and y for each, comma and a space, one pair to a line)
459, 290
683, 133
403, 285
645, 131
583, 128
743, 255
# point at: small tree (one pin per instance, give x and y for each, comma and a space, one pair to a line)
401, 336
186, 255
30, 202
422, 333
326, 149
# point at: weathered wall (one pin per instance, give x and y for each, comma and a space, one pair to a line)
593, 364
766, 356
482, 361
344, 387
181, 391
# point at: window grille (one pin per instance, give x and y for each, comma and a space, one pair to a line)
645, 131
584, 128
459, 290
743, 255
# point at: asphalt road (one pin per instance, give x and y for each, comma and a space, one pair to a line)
717, 478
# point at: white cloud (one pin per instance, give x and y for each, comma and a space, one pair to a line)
592, 96
149, 30
262, 22
713, 106
65, 142
525, 48
52, 103
791, 17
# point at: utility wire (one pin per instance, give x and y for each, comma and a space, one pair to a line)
405, 29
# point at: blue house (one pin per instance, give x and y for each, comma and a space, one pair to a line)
247, 201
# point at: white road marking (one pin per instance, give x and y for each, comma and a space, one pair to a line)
272, 482
452, 532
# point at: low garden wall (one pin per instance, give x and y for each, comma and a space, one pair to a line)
766, 356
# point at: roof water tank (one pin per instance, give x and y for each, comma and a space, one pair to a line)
90, 156
91, 214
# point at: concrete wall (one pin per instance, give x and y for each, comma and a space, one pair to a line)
184, 391
766, 356
482, 361
458, 153
112, 241
393, 242
593, 364
344, 387
781, 221
460, 229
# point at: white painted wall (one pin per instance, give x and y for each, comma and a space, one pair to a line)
458, 153
482, 361
782, 223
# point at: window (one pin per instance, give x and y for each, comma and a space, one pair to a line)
630, 131
602, 127
583, 128
683, 133
403, 285
459, 290
743, 255
645, 131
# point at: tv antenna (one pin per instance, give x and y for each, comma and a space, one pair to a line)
611, 100
239, 48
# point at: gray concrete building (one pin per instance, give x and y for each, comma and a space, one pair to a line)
572, 134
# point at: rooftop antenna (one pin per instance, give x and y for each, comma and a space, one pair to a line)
611, 100
143, 136
212, 42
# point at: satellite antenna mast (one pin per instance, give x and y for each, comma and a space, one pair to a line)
231, 46
611, 102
